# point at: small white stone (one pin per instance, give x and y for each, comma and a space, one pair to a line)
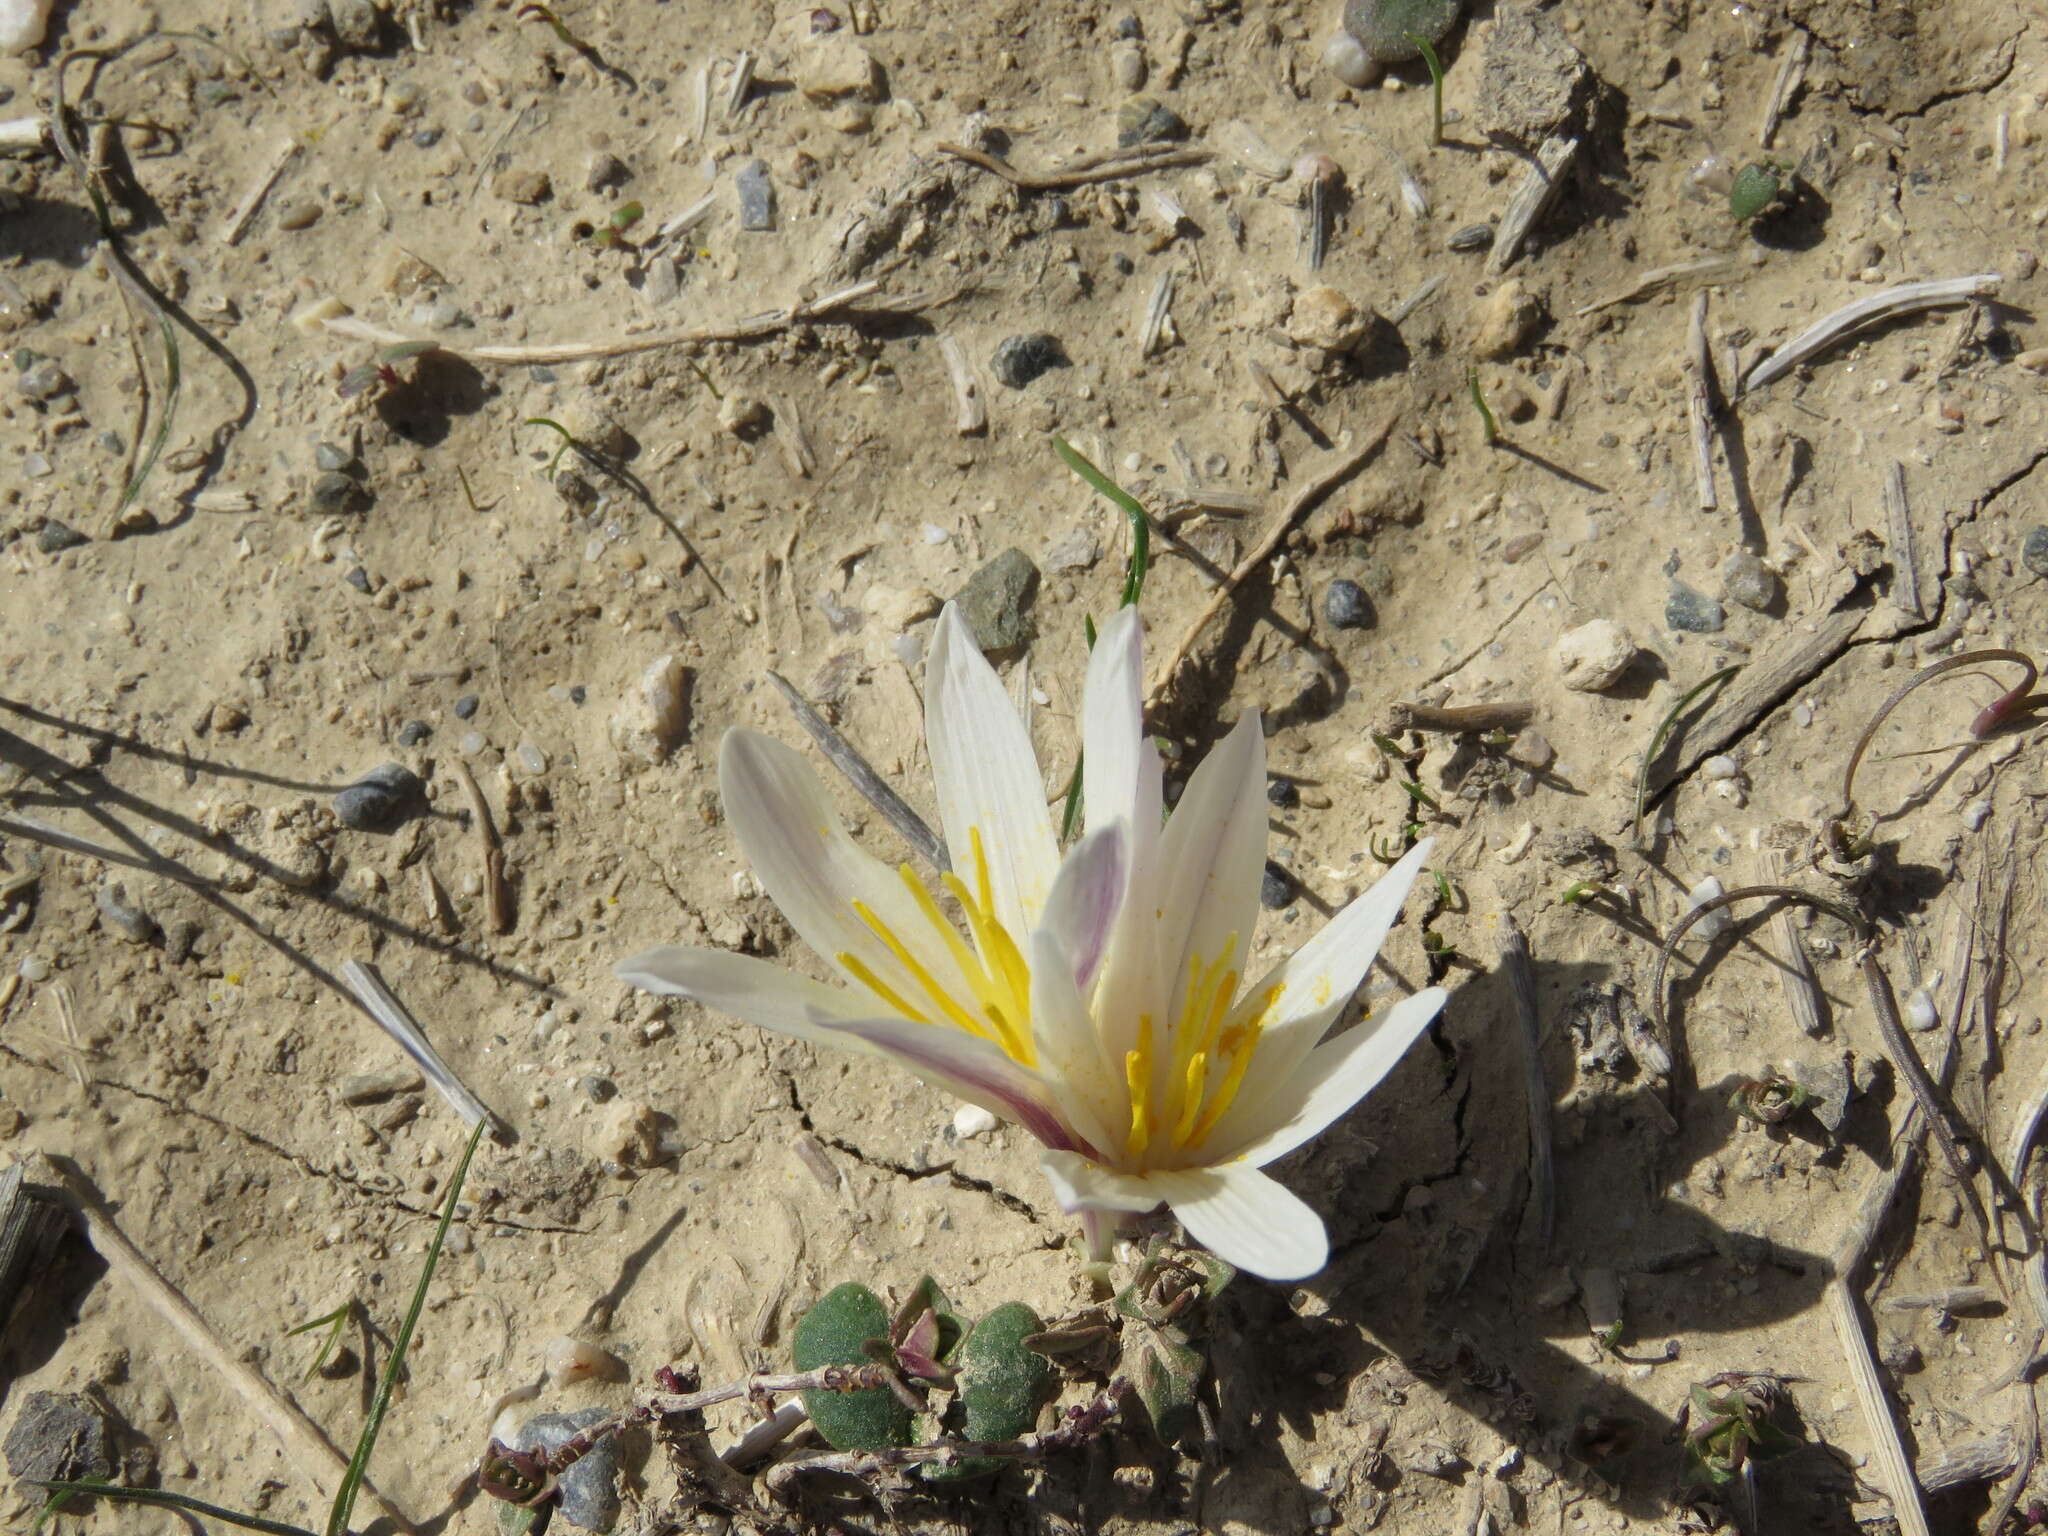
650, 721
1346, 57
22, 23
1720, 766
973, 1120
1595, 655
1716, 922
572, 1360
34, 968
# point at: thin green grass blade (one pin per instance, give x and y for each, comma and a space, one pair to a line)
332, 1322
1140, 560
359, 1463
167, 414
1657, 744
161, 1499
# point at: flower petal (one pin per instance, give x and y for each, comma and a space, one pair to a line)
1094, 1099
815, 873
1081, 1185
764, 995
987, 777
1335, 1077
1211, 860
1080, 914
1299, 999
1119, 763
1247, 1219
967, 1068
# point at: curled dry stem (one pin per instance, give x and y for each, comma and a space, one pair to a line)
1904, 1058
2018, 704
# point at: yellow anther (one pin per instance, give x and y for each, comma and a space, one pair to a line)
1138, 1077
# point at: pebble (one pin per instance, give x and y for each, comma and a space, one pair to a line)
742, 415
22, 24
1127, 64
571, 1360
1532, 81
1346, 606
606, 170
55, 537
832, 67
334, 492
332, 456
654, 716
357, 25
1020, 359
1077, 551
1383, 26
472, 743
1284, 794
756, 195
1148, 120
1720, 767
1508, 317
973, 1120
466, 706
1350, 61
1473, 237
1277, 889
43, 381
33, 968
35, 467
1692, 611
122, 915
1327, 319
996, 602
1716, 922
375, 1087
382, 800
1745, 579
532, 761
413, 732
2034, 550
59, 1436
518, 186
1595, 656
588, 1494
303, 213
599, 1090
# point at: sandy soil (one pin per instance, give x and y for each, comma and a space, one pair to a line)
196, 677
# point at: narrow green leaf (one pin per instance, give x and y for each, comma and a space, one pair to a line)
161, 1500
359, 1463
1140, 560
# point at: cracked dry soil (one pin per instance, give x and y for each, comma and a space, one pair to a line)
312, 584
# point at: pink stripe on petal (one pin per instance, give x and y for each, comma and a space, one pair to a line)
1081, 912
969, 1069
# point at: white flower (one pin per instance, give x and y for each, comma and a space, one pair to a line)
1095, 999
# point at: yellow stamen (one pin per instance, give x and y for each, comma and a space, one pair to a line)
1241, 1040
1191, 1098
859, 970
984, 888
1138, 1076
938, 994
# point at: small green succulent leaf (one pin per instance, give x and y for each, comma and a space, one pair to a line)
1003, 1384
1756, 188
1166, 1371
836, 1331
524, 1520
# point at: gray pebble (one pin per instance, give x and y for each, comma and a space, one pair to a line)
1277, 889
426, 138
331, 456
123, 916
757, 196
575, 490
59, 1437
1473, 237
466, 706
413, 732
589, 1495
606, 170
1346, 606
382, 800
35, 466
56, 537
1747, 580
1283, 794
43, 381
2034, 551
357, 24
358, 578
1148, 120
335, 492
600, 1090
1384, 25
1020, 359
996, 601
1693, 611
